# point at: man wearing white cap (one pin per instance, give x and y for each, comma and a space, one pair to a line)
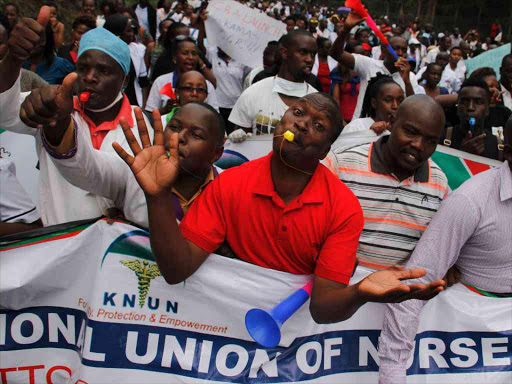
101, 71
418, 51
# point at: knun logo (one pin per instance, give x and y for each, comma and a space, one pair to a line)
136, 244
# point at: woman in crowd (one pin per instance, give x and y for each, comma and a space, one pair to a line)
381, 101
185, 56
324, 64
81, 25
433, 77
138, 82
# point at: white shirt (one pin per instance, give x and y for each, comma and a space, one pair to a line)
357, 125
330, 62
260, 108
177, 17
137, 52
507, 97
450, 80
60, 201
456, 41
142, 17
332, 36
431, 57
161, 15
105, 174
376, 52
230, 78
15, 204
157, 100
367, 68
250, 77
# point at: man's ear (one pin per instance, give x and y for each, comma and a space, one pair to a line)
218, 153
284, 53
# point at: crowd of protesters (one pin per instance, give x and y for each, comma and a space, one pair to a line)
311, 206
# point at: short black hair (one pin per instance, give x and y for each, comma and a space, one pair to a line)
116, 24
220, 125
4, 22
480, 73
290, 37
432, 65
12, 5
454, 48
51, 4
330, 105
372, 90
289, 18
320, 41
507, 57
478, 83
88, 21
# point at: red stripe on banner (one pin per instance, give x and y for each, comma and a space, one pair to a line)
64, 236
475, 167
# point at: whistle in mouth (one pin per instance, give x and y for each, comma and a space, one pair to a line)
84, 97
288, 135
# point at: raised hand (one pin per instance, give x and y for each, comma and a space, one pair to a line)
156, 166
474, 145
50, 105
27, 35
352, 20
387, 286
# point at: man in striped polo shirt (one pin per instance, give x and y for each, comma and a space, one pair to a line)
398, 186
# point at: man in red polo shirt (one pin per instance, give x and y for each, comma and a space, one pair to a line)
284, 211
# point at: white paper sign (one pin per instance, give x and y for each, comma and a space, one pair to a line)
241, 32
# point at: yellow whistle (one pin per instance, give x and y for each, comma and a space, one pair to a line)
288, 135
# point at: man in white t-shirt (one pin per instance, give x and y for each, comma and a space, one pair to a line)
147, 18
261, 106
367, 67
444, 46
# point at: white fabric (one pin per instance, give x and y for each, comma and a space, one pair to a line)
456, 40
100, 21
59, 200
229, 76
161, 15
250, 77
142, 17
157, 100
376, 52
177, 17
15, 204
507, 97
358, 125
238, 135
332, 36
450, 80
260, 108
431, 57
137, 52
367, 68
330, 62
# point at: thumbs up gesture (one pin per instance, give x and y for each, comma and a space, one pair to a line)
50, 107
27, 36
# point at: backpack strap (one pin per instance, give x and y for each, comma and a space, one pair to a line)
448, 139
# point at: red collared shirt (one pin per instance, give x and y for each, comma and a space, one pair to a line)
318, 232
99, 132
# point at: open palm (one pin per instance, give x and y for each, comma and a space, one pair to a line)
387, 286
154, 169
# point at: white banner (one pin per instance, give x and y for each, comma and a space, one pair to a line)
21, 150
240, 31
88, 305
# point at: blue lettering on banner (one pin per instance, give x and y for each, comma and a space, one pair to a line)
219, 358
